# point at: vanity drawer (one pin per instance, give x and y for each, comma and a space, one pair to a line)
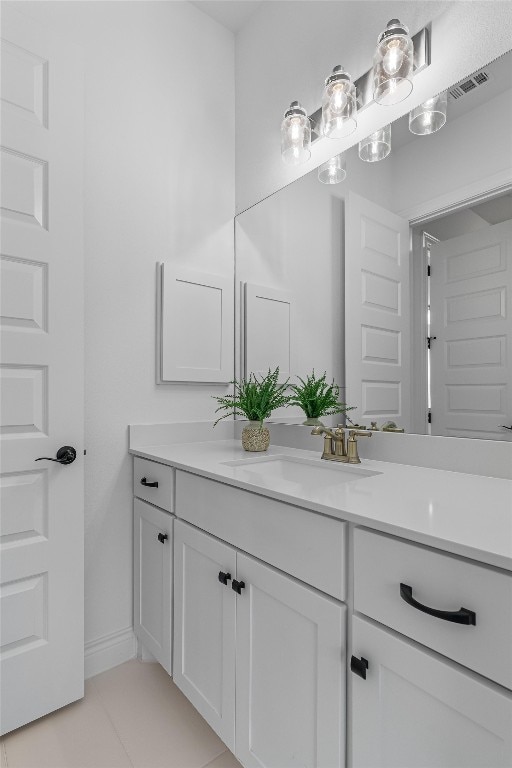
304, 544
145, 473
443, 582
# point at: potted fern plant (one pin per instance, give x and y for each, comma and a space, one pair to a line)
255, 398
316, 397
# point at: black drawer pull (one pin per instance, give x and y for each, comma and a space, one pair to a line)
238, 586
359, 666
462, 616
148, 485
224, 577
162, 537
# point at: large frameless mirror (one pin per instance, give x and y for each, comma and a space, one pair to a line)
397, 280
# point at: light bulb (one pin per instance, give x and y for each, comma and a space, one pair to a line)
339, 107
430, 116
376, 146
393, 59
393, 64
295, 135
338, 99
333, 171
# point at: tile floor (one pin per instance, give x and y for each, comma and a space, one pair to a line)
132, 716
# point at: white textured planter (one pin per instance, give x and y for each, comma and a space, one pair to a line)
255, 437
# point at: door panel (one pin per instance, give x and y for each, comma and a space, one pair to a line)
41, 536
416, 710
471, 356
204, 627
290, 672
377, 335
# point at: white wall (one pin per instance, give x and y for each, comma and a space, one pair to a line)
159, 185
287, 49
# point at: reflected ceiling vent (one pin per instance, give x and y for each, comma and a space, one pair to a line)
468, 85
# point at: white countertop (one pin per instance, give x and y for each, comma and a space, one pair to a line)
468, 515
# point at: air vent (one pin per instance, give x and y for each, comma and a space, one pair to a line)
468, 85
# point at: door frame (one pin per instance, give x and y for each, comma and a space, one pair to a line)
485, 189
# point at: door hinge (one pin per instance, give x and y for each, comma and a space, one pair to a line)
429, 270
429, 417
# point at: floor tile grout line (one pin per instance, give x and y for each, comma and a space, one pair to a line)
105, 709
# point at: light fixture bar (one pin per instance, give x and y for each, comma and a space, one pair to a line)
364, 84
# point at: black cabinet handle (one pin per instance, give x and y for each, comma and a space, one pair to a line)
238, 586
462, 616
504, 426
65, 455
148, 485
359, 666
162, 537
224, 577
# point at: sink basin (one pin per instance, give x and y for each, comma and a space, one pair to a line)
297, 470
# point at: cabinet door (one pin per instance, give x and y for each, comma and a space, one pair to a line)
204, 633
414, 709
290, 668
152, 537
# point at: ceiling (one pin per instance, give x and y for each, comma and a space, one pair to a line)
232, 14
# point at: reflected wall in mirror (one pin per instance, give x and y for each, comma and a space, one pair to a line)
398, 280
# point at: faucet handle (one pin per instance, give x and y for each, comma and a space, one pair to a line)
360, 433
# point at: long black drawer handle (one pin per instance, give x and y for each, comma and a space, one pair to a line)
148, 485
462, 616
359, 666
237, 586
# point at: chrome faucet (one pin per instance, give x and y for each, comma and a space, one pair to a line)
352, 452
334, 443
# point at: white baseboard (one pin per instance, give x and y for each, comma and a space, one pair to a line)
109, 651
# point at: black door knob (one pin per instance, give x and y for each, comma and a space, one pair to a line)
65, 455
359, 666
238, 586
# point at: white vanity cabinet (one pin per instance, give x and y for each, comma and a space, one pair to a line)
412, 706
152, 559
247, 633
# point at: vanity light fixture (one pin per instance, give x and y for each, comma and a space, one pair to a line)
333, 171
376, 146
339, 107
430, 116
393, 64
295, 135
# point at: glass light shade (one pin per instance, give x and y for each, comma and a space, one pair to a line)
295, 135
339, 106
376, 146
333, 171
430, 116
393, 64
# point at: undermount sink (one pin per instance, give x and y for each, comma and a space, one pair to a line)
298, 470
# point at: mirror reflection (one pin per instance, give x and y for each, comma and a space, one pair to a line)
397, 280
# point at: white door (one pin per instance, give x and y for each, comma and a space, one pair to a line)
290, 672
414, 709
377, 335
42, 538
152, 566
204, 626
471, 354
